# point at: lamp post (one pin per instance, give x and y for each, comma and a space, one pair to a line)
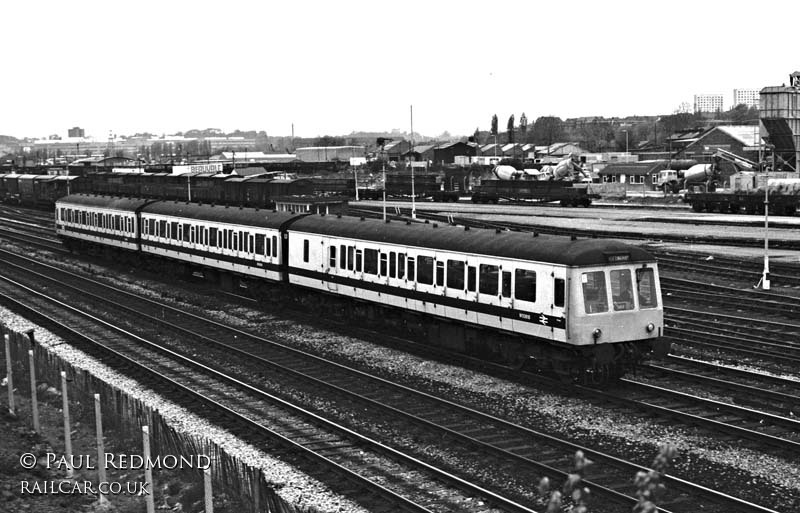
765, 282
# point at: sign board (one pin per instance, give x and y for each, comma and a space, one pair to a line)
197, 168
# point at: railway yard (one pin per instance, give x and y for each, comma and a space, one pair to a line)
342, 417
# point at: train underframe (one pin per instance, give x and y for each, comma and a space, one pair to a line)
594, 365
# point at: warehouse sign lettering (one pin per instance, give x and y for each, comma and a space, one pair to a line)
197, 168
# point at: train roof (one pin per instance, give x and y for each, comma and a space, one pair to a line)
516, 245
95, 201
221, 214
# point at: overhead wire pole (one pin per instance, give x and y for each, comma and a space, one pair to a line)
413, 195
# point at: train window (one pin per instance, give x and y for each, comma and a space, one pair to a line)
332, 257
268, 247
212, 236
505, 284
621, 289
305, 250
186, 233
342, 256
559, 291
646, 282
259, 244
95, 219
595, 297
425, 269
102, 220
274, 245
440, 274
472, 278
411, 269
392, 264
383, 268
359, 260
162, 227
351, 250
235, 245
371, 261
525, 285
488, 279
243, 241
401, 265
117, 222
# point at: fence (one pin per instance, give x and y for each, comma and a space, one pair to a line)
127, 415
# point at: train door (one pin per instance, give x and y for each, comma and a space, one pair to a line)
557, 307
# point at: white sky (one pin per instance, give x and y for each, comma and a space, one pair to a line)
332, 67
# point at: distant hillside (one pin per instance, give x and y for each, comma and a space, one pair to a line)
7, 139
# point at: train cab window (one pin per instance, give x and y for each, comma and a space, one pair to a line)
621, 289
595, 297
332, 257
411, 269
342, 256
646, 283
505, 284
351, 258
306, 250
383, 271
525, 285
559, 292
259, 244
439, 274
455, 274
212, 236
488, 279
401, 265
472, 278
425, 269
392, 264
371, 261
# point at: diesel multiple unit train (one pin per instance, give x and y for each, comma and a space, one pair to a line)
582, 309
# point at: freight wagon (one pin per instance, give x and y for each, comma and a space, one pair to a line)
566, 193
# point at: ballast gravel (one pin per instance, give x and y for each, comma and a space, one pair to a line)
295, 487
759, 477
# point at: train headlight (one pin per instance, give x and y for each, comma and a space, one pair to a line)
597, 333
650, 327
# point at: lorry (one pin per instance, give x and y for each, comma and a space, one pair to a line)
749, 188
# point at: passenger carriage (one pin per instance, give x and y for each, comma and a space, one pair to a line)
599, 297
83, 220
241, 241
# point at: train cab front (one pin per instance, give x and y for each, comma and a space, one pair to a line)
616, 314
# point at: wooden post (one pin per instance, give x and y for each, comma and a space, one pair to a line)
67, 434
34, 393
148, 471
256, 490
208, 491
9, 377
101, 450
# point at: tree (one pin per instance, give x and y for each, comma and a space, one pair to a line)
523, 127
510, 128
547, 130
494, 125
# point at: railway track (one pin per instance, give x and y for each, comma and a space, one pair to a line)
273, 424
527, 452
